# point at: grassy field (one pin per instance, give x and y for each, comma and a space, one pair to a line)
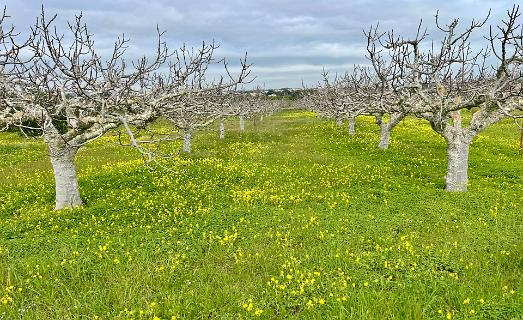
289, 219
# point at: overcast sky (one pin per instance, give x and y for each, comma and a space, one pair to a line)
287, 41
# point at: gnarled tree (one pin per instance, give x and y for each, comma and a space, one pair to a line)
72, 95
439, 82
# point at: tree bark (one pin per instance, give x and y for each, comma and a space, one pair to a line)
339, 121
386, 128
66, 181
458, 140
222, 129
458, 162
187, 137
242, 123
351, 125
384, 136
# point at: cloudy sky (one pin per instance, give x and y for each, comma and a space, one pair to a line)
288, 41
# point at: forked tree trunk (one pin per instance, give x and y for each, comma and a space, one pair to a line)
351, 125
66, 181
242, 123
458, 140
458, 163
222, 129
187, 136
386, 128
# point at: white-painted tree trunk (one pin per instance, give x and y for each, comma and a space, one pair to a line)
222, 129
386, 128
458, 140
242, 123
351, 125
339, 121
384, 136
187, 136
66, 181
458, 163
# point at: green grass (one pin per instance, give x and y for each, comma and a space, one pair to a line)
289, 219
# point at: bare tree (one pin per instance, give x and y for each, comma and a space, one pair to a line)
269, 106
347, 96
70, 94
326, 99
438, 81
186, 96
241, 104
358, 95
246, 107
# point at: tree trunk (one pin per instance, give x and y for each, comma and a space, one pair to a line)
378, 118
222, 129
339, 121
384, 136
386, 128
66, 182
458, 163
351, 125
242, 123
187, 136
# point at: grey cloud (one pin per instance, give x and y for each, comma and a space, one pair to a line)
287, 40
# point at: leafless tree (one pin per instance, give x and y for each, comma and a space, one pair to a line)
245, 105
69, 93
186, 96
238, 103
269, 106
387, 103
347, 96
329, 99
437, 81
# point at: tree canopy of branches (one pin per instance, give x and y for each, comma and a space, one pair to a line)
438, 80
434, 79
73, 95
